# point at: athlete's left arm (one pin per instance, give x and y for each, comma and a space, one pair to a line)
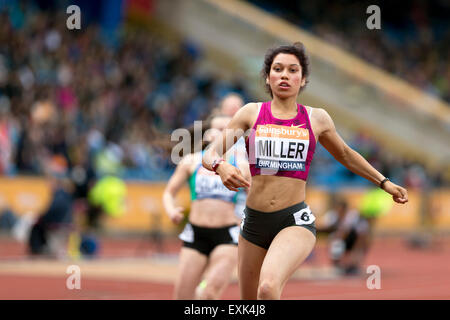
351, 159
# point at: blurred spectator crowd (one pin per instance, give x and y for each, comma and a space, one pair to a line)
67, 98
413, 42
71, 103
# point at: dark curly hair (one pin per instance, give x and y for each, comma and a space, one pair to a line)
297, 49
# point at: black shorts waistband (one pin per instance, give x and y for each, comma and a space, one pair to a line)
200, 228
288, 210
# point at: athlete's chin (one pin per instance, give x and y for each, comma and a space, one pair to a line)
285, 94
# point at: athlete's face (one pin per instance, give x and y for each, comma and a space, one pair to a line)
218, 124
285, 77
231, 105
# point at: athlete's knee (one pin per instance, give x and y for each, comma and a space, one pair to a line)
269, 289
210, 290
210, 293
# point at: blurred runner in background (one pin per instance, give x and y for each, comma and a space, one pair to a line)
211, 233
351, 230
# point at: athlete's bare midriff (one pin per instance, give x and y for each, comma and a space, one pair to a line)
273, 193
212, 213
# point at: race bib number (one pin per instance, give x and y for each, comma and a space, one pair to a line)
304, 216
281, 148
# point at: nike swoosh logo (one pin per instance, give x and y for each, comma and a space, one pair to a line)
297, 126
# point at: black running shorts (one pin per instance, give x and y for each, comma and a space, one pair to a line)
205, 240
260, 228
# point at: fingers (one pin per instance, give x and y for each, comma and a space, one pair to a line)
232, 184
240, 178
235, 181
230, 187
238, 183
403, 194
177, 216
179, 209
400, 200
400, 195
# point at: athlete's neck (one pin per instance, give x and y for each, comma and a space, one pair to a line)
288, 105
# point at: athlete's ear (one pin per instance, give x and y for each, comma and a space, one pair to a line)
303, 82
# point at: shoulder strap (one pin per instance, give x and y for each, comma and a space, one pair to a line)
261, 108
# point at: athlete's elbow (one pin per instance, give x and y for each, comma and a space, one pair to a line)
353, 161
342, 155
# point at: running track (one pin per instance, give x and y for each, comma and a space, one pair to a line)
406, 273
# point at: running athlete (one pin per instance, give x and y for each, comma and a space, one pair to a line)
211, 234
278, 230
351, 229
228, 106
349, 236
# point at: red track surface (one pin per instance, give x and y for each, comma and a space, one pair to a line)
406, 273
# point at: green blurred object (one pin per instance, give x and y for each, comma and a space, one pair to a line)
109, 193
375, 203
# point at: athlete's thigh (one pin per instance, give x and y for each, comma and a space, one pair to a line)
288, 250
222, 263
190, 270
250, 259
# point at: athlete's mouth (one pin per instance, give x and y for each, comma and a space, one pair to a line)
284, 84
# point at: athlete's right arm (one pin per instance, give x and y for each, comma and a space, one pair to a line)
352, 160
176, 182
231, 176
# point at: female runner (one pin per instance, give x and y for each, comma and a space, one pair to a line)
278, 231
211, 234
